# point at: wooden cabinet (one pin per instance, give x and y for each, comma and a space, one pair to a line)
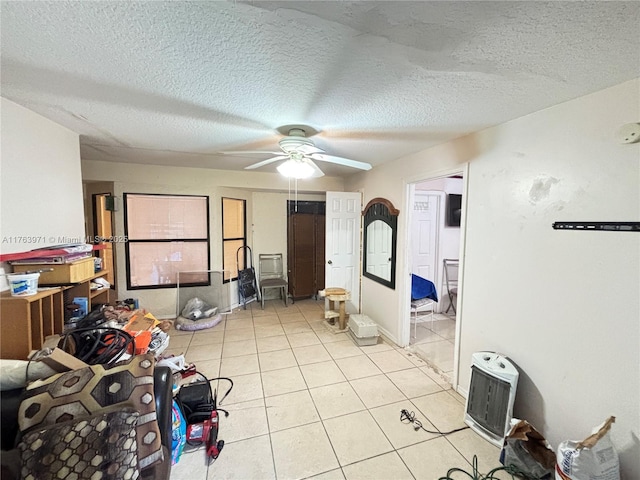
26, 321
83, 289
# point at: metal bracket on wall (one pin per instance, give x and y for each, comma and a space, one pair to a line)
605, 226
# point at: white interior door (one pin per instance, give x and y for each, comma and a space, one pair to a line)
342, 249
424, 232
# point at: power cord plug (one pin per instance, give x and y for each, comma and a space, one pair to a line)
410, 417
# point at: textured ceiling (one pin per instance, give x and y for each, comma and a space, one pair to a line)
173, 83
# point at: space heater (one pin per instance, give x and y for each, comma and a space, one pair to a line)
492, 392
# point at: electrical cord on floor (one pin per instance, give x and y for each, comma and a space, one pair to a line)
410, 417
476, 475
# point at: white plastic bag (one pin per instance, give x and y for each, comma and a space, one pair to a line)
176, 364
594, 458
195, 309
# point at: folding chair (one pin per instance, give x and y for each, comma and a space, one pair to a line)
451, 281
271, 275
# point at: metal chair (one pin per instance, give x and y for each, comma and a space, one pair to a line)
271, 275
422, 305
424, 298
451, 281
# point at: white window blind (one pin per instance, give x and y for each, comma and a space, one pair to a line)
166, 234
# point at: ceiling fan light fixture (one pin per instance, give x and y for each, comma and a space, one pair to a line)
293, 168
301, 154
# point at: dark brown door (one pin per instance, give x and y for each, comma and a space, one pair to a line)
319, 251
303, 255
305, 248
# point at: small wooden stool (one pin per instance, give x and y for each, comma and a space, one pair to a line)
337, 297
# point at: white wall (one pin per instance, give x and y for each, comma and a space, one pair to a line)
266, 210
563, 305
41, 194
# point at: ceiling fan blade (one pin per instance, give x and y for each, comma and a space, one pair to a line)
317, 172
266, 162
340, 161
309, 149
249, 152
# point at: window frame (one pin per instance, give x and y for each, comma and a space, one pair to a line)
184, 240
234, 239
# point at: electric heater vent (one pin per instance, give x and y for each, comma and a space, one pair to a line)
491, 395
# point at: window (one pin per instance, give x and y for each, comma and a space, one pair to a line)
166, 234
233, 236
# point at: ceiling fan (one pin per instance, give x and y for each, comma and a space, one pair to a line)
299, 155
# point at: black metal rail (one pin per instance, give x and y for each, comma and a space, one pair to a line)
601, 226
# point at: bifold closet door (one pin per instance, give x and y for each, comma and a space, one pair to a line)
302, 240
319, 252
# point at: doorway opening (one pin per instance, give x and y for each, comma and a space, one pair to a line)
435, 208
103, 206
305, 248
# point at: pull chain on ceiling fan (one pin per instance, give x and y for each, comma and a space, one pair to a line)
300, 154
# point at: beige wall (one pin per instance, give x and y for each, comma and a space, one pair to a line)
269, 224
563, 305
41, 187
265, 193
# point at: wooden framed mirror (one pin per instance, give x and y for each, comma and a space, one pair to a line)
380, 234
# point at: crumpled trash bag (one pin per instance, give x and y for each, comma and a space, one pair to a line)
527, 450
195, 309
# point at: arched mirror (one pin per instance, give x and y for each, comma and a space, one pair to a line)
380, 233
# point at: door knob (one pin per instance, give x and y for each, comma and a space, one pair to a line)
330, 262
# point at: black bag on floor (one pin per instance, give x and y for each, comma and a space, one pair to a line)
197, 400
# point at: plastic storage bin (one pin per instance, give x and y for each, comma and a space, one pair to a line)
23, 284
363, 330
364, 341
362, 326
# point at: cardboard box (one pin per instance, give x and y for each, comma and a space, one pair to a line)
74, 272
61, 361
51, 341
140, 322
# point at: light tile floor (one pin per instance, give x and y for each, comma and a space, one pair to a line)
434, 341
308, 403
